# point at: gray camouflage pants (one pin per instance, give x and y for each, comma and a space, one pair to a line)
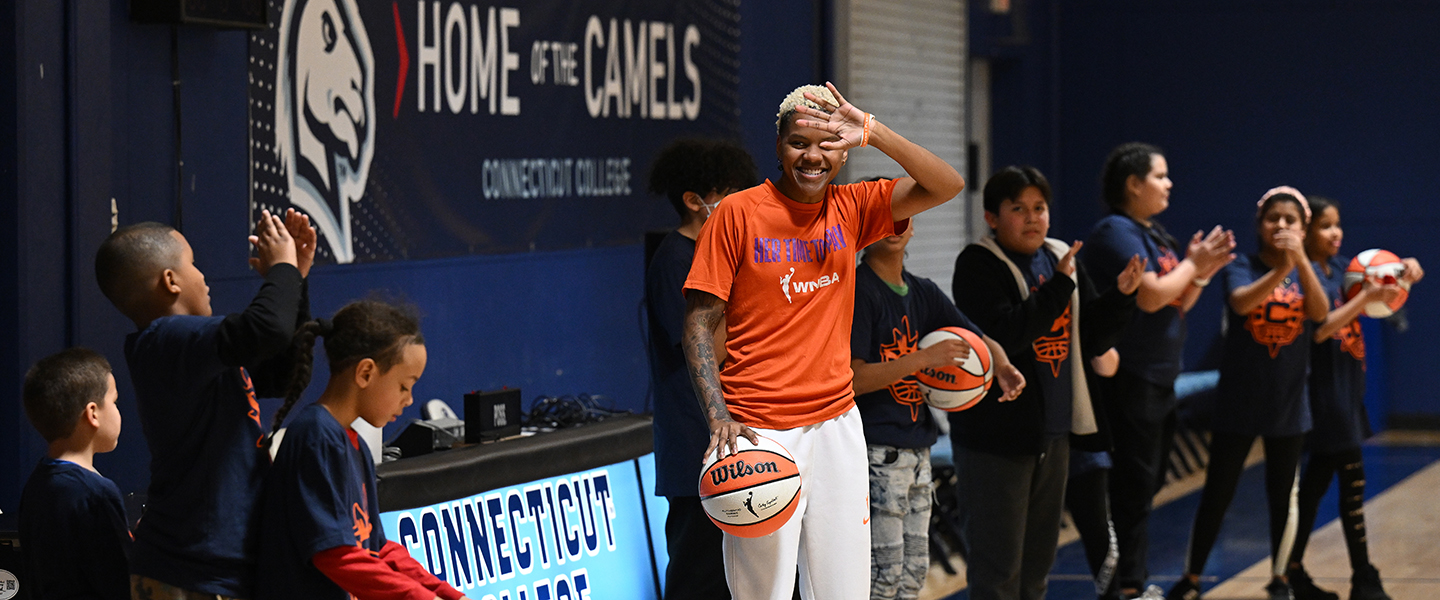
900, 494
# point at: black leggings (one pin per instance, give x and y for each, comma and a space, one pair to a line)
1222, 476
1313, 485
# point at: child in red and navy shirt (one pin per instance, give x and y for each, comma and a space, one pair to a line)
320, 519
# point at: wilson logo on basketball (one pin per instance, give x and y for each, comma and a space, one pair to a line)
939, 375
1055, 348
1279, 320
754, 497
739, 469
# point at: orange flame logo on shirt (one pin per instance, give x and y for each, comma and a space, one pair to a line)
254, 406
363, 528
907, 390
1166, 262
1055, 348
1279, 319
1352, 341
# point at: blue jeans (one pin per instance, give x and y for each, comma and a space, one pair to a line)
900, 494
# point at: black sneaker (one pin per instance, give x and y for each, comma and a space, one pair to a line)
1184, 590
1304, 587
1365, 585
1279, 590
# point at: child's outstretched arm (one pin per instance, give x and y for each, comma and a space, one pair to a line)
369, 577
1338, 318
271, 376
870, 376
1011, 380
399, 559
1107, 314
264, 328
273, 244
1015, 325
298, 225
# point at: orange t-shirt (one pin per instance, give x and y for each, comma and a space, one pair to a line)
787, 273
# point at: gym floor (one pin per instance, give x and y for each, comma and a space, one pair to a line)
1402, 475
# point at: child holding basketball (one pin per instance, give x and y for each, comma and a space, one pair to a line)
1337, 405
893, 310
320, 519
1275, 301
1012, 458
776, 262
196, 379
73, 536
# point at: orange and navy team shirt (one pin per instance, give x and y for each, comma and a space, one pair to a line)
1050, 351
1337, 376
202, 426
786, 271
888, 326
1263, 372
1151, 345
319, 495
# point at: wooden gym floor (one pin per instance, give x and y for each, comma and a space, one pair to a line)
1402, 514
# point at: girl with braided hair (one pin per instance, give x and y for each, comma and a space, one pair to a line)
320, 518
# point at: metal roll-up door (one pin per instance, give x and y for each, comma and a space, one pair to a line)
904, 61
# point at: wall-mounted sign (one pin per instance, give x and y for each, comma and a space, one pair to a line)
429, 128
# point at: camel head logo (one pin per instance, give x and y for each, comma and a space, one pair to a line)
325, 113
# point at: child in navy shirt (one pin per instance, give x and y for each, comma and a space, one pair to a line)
1140, 398
893, 310
694, 175
1274, 300
1337, 406
196, 379
73, 536
320, 519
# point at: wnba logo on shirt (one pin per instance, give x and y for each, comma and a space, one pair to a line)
805, 287
1055, 348
907, 390
1279, 320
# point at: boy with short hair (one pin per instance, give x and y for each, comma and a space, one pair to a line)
694, 175
194, 391
1011, 458
73, 536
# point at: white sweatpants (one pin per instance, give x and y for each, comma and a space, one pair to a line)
828, 537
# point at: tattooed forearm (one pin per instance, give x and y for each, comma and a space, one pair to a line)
703, 312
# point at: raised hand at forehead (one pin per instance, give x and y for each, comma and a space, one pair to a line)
843, 120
